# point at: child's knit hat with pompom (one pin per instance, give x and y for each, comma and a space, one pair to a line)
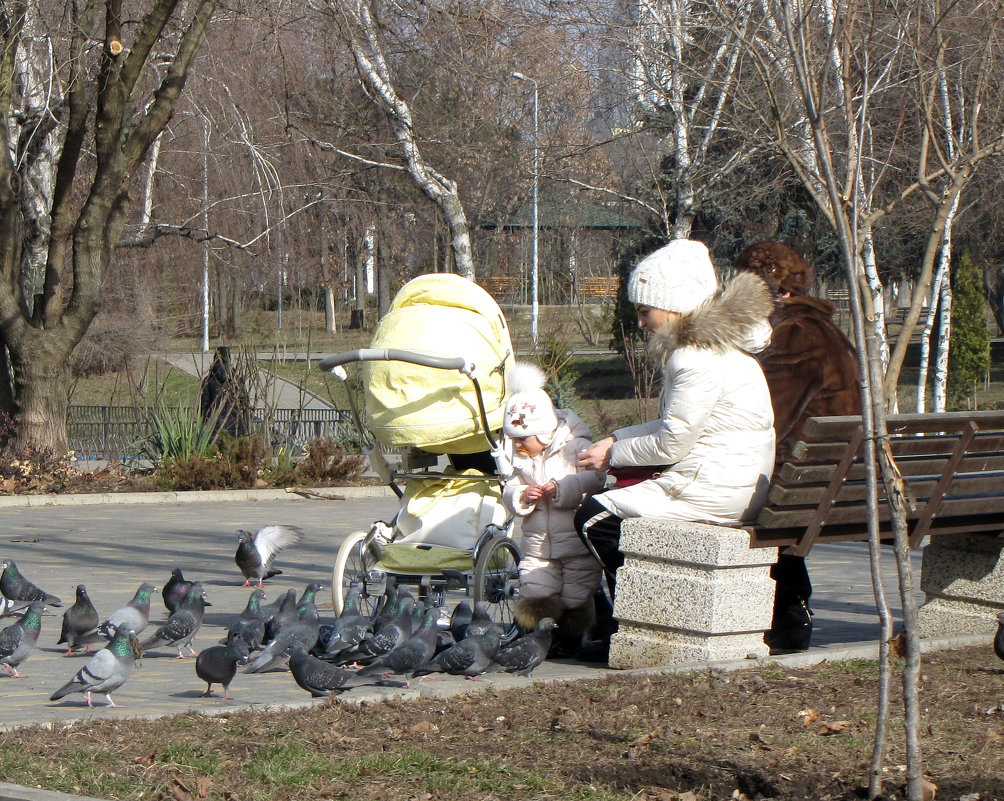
529, 411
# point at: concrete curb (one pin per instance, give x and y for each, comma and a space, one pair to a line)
15, 792
298, 494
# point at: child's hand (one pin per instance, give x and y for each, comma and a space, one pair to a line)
548, 490
531, 495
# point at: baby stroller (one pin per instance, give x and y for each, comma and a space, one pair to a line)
434, 392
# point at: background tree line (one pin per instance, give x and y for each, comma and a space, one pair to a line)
678, 116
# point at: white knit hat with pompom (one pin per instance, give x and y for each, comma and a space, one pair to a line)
529, 411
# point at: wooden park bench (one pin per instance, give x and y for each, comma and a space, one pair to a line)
599, 286
952, 466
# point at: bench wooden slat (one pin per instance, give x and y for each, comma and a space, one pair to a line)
905, 446
791, 473
831, 428
919, 488
789, 537
856, 512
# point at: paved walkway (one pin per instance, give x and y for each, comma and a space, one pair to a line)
113, 547
279, 393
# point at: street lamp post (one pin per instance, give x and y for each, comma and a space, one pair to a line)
534, 267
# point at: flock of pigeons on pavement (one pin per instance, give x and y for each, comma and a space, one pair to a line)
403, 637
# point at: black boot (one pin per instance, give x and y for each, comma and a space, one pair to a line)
572, 626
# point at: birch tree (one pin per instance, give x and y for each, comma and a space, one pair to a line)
94, 124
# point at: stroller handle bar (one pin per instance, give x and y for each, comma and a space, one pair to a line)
392, 354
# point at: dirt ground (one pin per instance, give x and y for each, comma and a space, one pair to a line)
768, 733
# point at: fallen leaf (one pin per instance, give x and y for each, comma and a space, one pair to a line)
424, 726
810, 715
148, 758
792, 751
180, 791
928, 790
203, 785
897, 645
992, 735
834, 727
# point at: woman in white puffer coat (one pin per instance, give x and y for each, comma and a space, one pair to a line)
711, 449
558, 574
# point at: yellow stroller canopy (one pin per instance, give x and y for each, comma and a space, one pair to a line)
429, 408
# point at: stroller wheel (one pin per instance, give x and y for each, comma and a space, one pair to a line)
496, 580
356, 564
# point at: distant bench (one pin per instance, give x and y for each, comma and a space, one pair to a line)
952, 467
600, 286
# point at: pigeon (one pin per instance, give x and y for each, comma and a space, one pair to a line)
999, 638
218, 665
482, 623
410, 654
17, 641
106, 671
523, 655
470, 657
320, 678
80, 621
183, 624
461, 619
269, 611
286, 616
349, 629
309, 594
135, 615
15, 587
276, 653
250, 626
255, 552
175, 590
389, 631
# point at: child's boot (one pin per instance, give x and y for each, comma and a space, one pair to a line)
530, 611
572, 627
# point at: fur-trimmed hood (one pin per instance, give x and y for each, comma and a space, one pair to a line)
735, 317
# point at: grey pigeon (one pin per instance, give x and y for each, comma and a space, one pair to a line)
461, 619
135, 615
482, 623
276, 653
255, 552
320, 678
17, 641
470, 657
218, 665
15, 587
183, 624
80, 622
999, 638
309, 594
269, 610
523, 655
349, 628
175, 589
250, 626
104, 672
387, 635
410, 654
286, 616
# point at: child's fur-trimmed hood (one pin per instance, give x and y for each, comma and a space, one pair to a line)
735, 317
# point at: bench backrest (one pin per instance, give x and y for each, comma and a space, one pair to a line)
952, 466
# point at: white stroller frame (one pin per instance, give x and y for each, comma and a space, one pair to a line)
494, 554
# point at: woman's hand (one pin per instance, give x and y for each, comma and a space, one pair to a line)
596, 456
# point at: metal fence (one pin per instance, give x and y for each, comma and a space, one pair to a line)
105, 432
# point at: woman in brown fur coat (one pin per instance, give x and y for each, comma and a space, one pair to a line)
812, 371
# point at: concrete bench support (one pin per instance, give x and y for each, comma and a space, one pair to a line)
962, 576
690, 592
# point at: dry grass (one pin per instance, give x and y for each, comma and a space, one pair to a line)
765, 733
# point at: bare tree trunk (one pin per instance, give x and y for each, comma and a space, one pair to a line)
360, 31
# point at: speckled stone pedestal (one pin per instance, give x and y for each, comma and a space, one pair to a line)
963, 578
690, 592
